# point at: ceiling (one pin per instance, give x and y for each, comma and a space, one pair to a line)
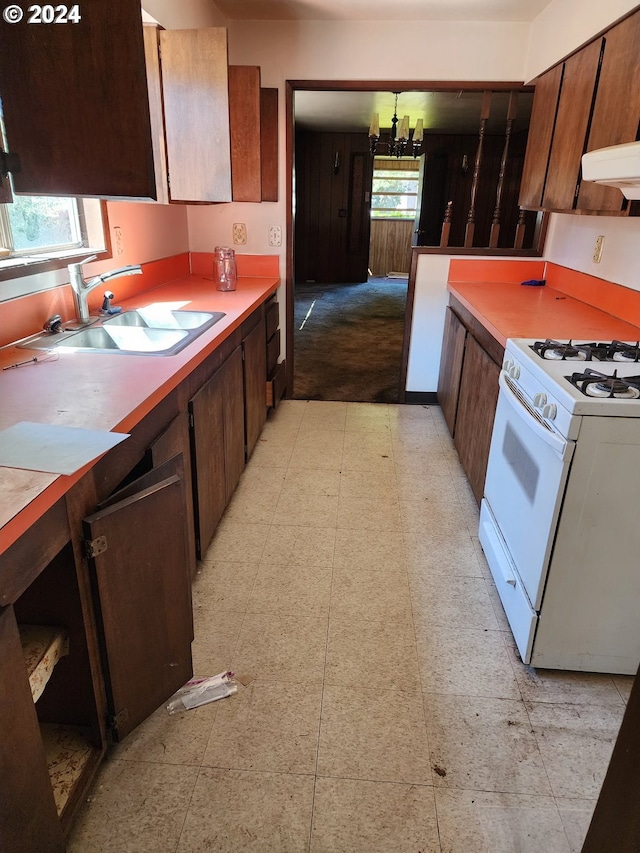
351, 111
381, 10
441, 112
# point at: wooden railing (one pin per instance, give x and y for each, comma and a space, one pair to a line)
484, 173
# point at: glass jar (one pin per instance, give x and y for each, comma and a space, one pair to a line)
225, 273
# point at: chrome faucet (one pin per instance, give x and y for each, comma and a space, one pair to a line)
82, 288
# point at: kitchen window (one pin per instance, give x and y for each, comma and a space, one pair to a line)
395, 189
39, 233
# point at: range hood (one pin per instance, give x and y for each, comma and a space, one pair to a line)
616, 166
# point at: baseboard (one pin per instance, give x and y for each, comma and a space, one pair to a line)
421, 398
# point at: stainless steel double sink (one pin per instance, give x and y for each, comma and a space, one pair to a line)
155, 330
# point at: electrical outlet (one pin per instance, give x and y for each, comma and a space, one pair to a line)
239, 233
597, 249
275, 235
119, 240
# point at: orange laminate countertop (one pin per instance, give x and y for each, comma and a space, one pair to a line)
510, 310
105, 391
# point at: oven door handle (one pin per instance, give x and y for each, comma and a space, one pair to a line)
564, 449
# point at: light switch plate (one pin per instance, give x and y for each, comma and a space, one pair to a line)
239, 233
275, 235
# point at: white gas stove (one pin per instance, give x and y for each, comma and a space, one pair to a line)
558, 522
585, 378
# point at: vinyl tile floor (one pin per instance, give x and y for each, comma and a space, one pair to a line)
387, 708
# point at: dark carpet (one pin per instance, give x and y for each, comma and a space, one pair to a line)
348, 340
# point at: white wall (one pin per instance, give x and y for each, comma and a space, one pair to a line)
565, 25
571, 239
430, 300
350, 50
325, 50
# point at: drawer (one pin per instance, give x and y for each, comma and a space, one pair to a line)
273, 352
522, 617
272, 318
276, 385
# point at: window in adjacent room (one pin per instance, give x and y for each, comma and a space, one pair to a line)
395, 189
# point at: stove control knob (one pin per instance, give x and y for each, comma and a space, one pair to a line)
514, 371
507, 365
539, 400
550, 411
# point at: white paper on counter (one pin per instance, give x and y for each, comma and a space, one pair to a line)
53, 448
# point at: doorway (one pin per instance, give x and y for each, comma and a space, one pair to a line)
346, 99
349, 322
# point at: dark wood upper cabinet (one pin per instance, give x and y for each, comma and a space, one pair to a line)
269, 143
195, 98
543, 117
616, 113
253, 127
75, 103
584, 103
244, 125
572, 124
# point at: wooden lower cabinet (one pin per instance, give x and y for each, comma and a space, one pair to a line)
451, 367
254, 365
137, 550
468, 393
28, 817
216, 414
52, 728
476, 410
276, 370
105, 575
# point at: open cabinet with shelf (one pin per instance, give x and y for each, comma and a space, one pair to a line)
55, 650
51, 711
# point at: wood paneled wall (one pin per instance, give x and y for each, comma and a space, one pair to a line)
390, 249
332, 197
448, 176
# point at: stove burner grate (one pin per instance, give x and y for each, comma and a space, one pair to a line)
621, 351
553, 350
595, 384
558, 351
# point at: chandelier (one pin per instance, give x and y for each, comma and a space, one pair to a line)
400, 142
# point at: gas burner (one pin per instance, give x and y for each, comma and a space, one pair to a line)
594, 384
556, 351
620, 351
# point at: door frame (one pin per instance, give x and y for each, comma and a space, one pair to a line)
291, 87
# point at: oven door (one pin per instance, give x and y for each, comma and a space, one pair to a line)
526, 477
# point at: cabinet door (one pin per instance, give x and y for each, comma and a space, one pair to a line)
476, 411
572, 124
254, 356
451, 367
75, 102
174, 441
144, 608
244, 127
206, 411
543, 117
217, 445
196, 113
616, 113
28, 816
234, 452
269, 143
